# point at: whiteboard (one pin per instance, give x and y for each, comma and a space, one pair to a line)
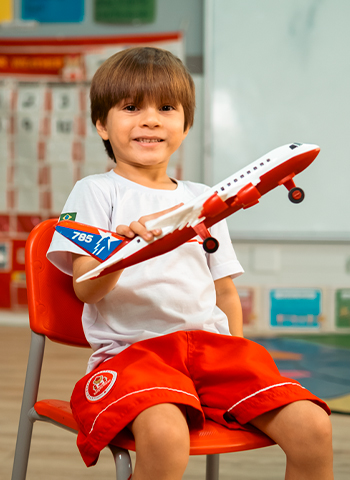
278, 72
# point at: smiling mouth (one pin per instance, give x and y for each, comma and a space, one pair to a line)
149, 140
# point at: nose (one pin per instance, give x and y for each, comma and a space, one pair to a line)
150, 117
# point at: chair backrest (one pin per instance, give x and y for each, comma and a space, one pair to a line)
54, 310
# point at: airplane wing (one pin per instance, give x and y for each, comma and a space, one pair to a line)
187, 215
98, 243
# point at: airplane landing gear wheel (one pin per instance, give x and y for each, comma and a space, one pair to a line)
210, 245
296, 195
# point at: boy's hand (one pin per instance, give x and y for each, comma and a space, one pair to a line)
138, 227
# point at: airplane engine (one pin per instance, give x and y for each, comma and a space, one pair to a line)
213, 206
248, 196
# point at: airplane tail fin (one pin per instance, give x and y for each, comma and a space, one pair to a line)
98, 243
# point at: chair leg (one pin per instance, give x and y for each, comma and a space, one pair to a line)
30, 392
212, 470
122, 462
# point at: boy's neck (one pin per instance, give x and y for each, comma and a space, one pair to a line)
150, 178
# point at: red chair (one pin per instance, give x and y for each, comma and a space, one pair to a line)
55, 313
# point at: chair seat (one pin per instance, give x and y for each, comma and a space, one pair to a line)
57, 410
212, 439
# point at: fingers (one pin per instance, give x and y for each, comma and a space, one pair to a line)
137, 228
140, 229
125, 231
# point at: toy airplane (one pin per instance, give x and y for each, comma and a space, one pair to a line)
241, 190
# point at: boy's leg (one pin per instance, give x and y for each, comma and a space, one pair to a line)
304, 431
162, 443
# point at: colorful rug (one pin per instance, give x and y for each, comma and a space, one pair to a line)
321, 363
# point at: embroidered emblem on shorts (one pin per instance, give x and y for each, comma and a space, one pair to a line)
100, 384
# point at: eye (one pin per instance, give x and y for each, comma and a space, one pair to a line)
130, 108
167, 108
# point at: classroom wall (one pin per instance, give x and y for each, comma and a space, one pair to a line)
317, 266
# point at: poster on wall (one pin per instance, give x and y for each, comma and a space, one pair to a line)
47, 139
53, 11
124, 11
247, 296
6, 11
342, 308
295, 308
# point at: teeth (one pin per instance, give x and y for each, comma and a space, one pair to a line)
148, 140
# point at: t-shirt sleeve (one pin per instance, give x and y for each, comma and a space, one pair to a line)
224, 262
89, 203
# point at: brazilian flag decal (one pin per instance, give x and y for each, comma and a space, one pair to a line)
68, 216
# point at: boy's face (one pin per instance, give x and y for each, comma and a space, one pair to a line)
144, 135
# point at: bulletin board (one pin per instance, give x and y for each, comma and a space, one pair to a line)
278, 72
47, 139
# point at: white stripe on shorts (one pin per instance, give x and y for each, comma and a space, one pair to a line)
140, 391
264, 390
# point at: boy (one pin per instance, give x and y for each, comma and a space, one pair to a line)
167, 333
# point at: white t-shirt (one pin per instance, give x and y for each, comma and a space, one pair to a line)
172, 292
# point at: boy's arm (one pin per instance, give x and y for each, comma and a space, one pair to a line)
91, 291
228, 301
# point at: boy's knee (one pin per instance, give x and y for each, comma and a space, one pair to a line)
318, 427
300, 428
169, 437
162, 431
312, 436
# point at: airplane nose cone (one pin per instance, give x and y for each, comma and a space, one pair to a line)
310, 155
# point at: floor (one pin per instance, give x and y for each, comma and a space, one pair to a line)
54, 454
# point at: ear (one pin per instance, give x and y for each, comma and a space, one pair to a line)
102, 130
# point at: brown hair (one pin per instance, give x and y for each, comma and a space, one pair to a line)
141, 73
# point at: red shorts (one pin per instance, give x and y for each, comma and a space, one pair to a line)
230, 380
